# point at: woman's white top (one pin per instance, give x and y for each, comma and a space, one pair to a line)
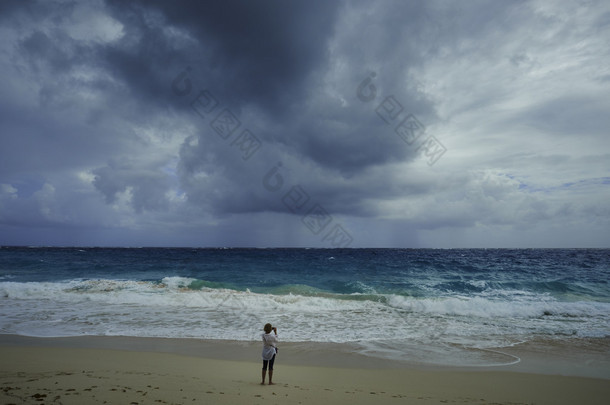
269, 345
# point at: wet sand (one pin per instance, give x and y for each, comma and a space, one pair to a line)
186, 371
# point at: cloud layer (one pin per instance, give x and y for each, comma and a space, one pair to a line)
272, 123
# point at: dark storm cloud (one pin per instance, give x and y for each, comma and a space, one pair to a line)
268, 57
93, 132
277, 65
272, 56
260, 52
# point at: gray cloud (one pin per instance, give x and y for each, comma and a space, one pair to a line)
98, 143
148, 187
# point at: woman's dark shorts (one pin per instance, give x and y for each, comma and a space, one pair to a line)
269, 362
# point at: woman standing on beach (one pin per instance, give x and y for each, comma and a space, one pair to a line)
269, 351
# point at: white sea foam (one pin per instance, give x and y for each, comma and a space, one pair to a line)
532, 307
171, 308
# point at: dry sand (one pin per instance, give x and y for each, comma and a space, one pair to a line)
148, 371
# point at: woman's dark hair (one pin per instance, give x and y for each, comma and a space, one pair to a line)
268, 328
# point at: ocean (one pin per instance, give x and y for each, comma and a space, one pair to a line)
435, 306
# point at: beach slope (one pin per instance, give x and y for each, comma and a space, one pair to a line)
64, 375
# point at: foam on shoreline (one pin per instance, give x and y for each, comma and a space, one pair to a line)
590, 358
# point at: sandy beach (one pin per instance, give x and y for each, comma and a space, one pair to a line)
92, 370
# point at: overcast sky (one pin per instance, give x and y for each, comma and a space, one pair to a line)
305, 123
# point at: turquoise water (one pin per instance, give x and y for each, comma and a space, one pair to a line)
384, 300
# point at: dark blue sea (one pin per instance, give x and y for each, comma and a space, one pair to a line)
386, 302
